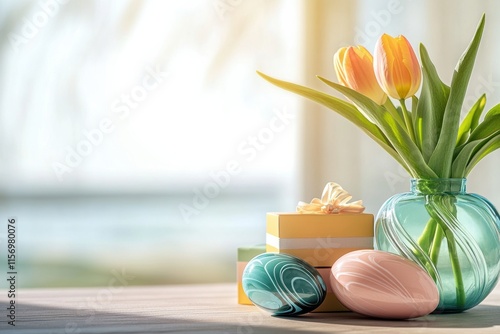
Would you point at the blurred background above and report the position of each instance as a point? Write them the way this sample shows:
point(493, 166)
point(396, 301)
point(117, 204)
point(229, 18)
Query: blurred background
point(136, 138)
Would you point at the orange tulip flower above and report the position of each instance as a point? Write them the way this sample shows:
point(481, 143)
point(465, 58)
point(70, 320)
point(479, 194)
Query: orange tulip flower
point(354, 68)
point(396, 67)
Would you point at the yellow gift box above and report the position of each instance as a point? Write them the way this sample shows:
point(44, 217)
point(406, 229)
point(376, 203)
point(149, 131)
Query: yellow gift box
point(331, 302)
point(245, 254)
point(319, 239)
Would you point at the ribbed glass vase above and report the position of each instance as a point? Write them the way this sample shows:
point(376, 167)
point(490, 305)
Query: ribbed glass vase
point(452, 234)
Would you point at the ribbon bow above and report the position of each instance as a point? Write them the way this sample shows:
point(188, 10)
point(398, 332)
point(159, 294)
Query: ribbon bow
point(333, 200)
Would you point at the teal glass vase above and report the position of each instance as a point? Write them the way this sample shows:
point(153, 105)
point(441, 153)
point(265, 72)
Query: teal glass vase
point(452, 234)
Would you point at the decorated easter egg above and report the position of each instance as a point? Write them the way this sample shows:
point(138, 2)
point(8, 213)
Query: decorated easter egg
point(383, 285)
point(283, 284)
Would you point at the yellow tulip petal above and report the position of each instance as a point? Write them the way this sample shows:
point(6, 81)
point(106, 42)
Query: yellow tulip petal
point(338, 60)
point(396, 67)
point(354, 68)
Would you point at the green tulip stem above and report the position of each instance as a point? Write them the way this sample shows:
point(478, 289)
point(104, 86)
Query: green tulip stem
point(424, 243)
point(436, 244)
point(455, 266)
point(406, 115)
point(426, 238)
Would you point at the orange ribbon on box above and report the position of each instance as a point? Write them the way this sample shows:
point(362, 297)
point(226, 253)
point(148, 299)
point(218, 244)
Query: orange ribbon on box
point(333, 200)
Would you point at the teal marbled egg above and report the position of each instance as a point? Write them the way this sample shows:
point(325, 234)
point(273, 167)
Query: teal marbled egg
point(283, 284)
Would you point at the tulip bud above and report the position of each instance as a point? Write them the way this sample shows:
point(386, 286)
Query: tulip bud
point(396, 67)
point(354, 68)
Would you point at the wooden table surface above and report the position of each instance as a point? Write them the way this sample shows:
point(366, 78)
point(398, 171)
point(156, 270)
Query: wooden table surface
point(206, 309)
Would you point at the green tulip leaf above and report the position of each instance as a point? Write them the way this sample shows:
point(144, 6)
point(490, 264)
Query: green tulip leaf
point(465, 155)
point(492, 112)
point(345, 109)
point(471, 121)
point(417, 123)
point(397, 113)
point(486, 128)
point(441, 158)
point(431, 106)
point(492, 145)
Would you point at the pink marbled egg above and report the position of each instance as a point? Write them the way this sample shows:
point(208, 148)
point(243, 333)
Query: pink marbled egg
point(383, 285)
